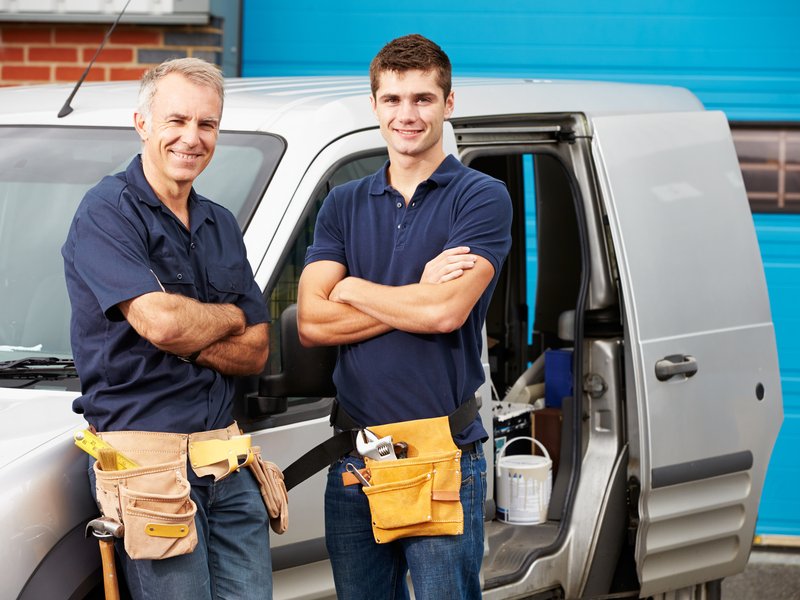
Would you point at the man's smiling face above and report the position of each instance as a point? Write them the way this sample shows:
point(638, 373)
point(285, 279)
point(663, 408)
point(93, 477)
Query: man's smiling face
point(411, 109)
point(180, 133)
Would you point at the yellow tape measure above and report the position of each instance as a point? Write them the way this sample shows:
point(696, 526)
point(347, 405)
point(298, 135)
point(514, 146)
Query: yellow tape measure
point(91, 444)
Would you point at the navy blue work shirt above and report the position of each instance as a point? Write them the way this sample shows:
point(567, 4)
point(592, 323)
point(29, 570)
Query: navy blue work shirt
point(366, 226)
point(124, 242)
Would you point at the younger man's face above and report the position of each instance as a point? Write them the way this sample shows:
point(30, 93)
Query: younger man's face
point(411, 109)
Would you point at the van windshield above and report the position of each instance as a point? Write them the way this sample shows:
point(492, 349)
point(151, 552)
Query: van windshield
point(44, 173)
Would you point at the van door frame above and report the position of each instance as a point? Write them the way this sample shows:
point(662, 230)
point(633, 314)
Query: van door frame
point(581, 535)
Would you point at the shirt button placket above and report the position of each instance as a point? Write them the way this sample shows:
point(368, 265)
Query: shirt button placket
point(400, 226)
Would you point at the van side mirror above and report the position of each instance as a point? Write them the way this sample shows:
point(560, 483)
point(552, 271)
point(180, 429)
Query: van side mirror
point(305, 373)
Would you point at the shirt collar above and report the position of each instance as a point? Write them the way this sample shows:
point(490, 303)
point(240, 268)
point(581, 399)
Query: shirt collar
point(380, 181)
point(134, 175)
point(446, 171)
point(443, 175)
point(198, 211)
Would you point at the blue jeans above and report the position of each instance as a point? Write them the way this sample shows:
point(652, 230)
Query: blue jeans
point(231, 560)
point(441, 567)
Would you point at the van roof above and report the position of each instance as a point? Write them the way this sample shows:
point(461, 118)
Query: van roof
point(332, 106)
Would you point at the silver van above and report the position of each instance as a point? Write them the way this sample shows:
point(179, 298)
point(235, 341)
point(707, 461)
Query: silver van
point(634, 256)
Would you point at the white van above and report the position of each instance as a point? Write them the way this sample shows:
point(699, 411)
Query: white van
point(631, 225)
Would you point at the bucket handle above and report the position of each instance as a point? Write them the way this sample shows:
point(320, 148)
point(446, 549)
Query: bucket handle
point(522, 437)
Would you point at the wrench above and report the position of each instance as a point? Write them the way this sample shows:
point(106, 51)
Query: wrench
point(368, 444)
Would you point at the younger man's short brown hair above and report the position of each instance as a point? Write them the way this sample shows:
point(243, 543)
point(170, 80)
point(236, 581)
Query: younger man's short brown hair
point(412, 52)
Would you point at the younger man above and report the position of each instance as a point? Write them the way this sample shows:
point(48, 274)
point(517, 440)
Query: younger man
point(400, 275)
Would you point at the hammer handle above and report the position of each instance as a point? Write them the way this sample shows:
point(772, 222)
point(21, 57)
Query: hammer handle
point(110, 583)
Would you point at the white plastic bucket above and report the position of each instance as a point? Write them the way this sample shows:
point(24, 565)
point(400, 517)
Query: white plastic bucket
point(523, 485)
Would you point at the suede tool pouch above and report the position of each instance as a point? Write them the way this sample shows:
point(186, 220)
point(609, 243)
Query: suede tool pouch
point(152, 501)
point(418, 495)
point(153, 504)
point(273, 491)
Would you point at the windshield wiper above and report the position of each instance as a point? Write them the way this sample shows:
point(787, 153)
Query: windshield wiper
point(38, 367)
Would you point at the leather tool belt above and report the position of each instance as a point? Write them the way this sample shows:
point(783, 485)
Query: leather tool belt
point(152, 500)
point(343, 442)
point(418, 495)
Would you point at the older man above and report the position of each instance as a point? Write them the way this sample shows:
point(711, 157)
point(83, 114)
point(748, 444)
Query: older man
point(165, 311)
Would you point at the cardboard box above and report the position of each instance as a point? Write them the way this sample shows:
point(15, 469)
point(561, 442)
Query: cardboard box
point(546, 428)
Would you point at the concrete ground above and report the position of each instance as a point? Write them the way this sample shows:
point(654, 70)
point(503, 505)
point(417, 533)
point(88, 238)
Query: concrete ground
point(771, 574)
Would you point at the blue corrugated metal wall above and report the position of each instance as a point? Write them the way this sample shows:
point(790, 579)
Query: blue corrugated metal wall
point(779, 239)
point(735, 55)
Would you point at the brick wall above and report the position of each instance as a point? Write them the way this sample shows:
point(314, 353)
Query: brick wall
point(56, 52)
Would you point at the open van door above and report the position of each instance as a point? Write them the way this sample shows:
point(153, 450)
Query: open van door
point(703, 389)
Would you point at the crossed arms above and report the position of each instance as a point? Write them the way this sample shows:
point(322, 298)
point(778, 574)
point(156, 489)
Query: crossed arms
point(181, 325)
point(334, 309)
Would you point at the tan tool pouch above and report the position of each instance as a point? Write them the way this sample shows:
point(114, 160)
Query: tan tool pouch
point(152, 501)
point(273, 491)
point(418, 495)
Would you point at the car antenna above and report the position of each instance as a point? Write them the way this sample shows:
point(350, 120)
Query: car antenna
point(66, 109)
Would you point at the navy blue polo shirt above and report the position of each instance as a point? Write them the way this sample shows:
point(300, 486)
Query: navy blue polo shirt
point(123, 242)
point(366, 226)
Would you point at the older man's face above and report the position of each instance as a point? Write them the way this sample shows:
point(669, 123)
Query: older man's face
point(180, 134)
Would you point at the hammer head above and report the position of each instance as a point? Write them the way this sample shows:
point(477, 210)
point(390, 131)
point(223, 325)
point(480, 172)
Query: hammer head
point(105, 527)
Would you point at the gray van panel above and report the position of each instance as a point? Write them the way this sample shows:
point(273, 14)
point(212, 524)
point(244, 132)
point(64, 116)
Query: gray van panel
point(693, 290)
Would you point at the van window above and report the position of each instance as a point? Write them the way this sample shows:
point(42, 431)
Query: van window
point(284, 292)
point(44, 174)
point(769, 157)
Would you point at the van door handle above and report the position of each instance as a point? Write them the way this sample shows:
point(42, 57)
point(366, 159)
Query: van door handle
point(675, 364)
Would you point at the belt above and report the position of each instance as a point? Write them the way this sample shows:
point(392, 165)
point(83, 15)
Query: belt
point(343, 443)
point(459, 419)
point(218, 452)
point(465, 448)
